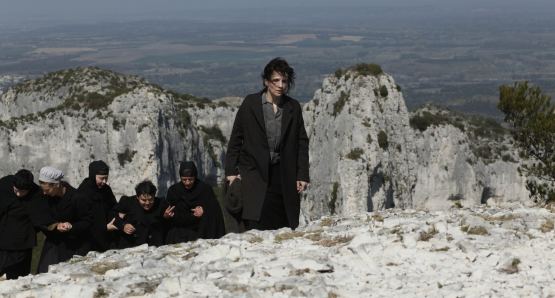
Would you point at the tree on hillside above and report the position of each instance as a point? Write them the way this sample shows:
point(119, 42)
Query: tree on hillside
point(532, 117)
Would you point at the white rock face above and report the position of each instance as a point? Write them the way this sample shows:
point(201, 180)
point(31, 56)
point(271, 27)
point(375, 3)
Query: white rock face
point(388, 253)
point(350, 172)
point(146, 123)
point(446, 176)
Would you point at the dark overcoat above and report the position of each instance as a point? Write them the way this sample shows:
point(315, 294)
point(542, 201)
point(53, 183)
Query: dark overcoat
point(102, 201)
point(20, 232)
point(148, 224)
point(248, 154)
point(184, 226)
point(75, 208)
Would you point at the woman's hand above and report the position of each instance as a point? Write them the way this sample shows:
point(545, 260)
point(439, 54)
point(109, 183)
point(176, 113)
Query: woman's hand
point(169, 212)
point(197, 211)
point(129, 229)
point(110, 226)
point(301, 186)
point(64, 227)
point(232, 178)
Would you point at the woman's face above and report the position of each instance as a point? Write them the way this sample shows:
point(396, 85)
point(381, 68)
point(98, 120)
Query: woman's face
point(188, 182)
point(146, 201)
point(277, 84)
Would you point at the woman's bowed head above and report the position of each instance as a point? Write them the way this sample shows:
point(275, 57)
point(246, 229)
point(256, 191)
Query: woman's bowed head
point(22, 183)
point(50, 181)
point(145, 195)
point(188, 174)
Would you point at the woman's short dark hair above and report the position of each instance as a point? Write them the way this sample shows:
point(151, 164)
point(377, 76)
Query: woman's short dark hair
point(23, 180)
point(280, 66)
point(145, 187)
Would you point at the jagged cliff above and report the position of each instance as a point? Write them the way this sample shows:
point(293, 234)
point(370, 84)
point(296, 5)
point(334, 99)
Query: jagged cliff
point(367, 152)
point(141, 130)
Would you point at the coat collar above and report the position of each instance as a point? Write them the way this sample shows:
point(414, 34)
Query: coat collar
point(286, 116)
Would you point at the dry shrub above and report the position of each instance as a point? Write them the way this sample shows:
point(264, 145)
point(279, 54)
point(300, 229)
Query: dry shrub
point(314, 235)
point(101, 268)
point(425, 236)
point(329, 242)
point(547, 226)
point(499, 218)
point(256, 239)
point(378, 217)
point(478, 231)
point(326, 222)
point(286, 236)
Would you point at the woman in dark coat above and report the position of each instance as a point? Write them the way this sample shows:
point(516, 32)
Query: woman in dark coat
point(102, 200)
point(73, 211)
point(21, 216)
point(268, 151)
point(143, 217)
point(195, 211)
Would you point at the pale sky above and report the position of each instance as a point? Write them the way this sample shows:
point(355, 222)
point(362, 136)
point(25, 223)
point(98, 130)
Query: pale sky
point(21, 10)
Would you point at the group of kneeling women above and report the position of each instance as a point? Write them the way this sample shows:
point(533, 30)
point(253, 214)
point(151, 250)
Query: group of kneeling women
point(267, 151)
point(90, 219)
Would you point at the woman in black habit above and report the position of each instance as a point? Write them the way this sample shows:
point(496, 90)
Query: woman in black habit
point(195, 212)
point(21, 216)
point(73, 212)
point(103, 200)
point(268, 151)
point(143, 217)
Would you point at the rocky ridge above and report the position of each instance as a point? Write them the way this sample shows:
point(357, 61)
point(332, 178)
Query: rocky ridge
point(141, 130)
point(466, 252)
point(368, 152)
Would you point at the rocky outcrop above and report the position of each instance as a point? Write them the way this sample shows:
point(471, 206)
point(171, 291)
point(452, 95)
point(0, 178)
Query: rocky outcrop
point(141, 130)
point(466, 160)
point(350, 170)
point(367, 152)
point(459, 252)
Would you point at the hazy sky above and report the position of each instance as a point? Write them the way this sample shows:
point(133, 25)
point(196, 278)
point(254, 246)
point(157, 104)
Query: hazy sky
point(22, 11)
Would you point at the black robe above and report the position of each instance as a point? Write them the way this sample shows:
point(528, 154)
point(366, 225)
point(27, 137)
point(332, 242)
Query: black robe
point(148, 224)
point(102, 201)
point(20, 220)
point(184, 226)
point(74, 208)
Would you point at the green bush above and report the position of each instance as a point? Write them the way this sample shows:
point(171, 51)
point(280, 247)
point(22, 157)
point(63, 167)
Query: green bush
point(483, 152)
point(383, 91)
point(398, 87)
point(338, 105)
point(126, 156)
point(355, 154)
point(428, 119)
point(382, 140)
point(338, 73)
point(222, 104)
point(185, 116)
point(333, 198)
point(365, 69)
point(213, 133)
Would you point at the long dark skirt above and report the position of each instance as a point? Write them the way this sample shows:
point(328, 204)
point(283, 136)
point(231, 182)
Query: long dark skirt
point(15, 263)
point(273, 214)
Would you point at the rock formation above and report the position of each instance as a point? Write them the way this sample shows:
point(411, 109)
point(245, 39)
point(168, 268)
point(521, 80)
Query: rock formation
point(471, 252)
point(141, 130)
point(367, 151)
